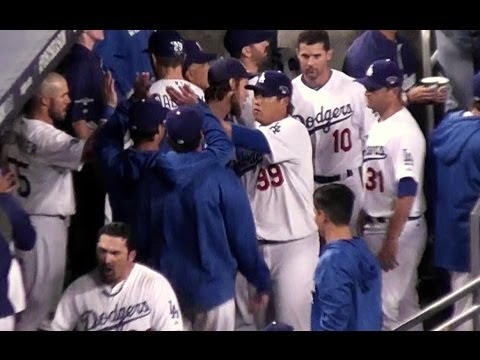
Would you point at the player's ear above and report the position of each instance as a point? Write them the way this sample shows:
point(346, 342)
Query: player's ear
point(329, 54)
point(232, 84)
point(132, 255)
point(44, 101)
point(247, 51)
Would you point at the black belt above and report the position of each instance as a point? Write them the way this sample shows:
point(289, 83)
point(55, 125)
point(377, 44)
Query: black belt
point(56, 216)
point(333, 178)
point(370, 219)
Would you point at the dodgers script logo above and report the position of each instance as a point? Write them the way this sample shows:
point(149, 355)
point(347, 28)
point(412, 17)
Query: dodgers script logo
point(374, 153)
point(326, 118)
point(115, 320)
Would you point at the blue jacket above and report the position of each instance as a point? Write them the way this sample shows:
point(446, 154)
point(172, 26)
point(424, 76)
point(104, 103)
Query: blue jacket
point(372, 45)
point(348, 289)
point(23, 236)
point(456, 164)
point(206, 233)
point(122, 53)
point(127, 173)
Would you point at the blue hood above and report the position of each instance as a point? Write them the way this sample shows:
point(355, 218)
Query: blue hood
point(449, 138)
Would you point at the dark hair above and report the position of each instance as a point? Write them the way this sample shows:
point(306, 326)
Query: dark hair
point(236, 54)
point(173, 61)
point(186, 147)
point(476, 104)
point(312, 37)
point(138, 136)
point(218, 91)
point(336, 200)
point(121, 230)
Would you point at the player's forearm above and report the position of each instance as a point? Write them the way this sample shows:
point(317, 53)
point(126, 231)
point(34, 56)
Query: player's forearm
point(82, 131)
point(217, 141)
point(402, 208)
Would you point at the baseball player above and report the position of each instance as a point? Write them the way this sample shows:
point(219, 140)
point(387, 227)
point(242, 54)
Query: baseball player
point(280, 188)
point(251, 48)
point(167, 51)
point(43, 158)
point(196, 65)
point(332, 107)
point(120, 295)
point(393, 163)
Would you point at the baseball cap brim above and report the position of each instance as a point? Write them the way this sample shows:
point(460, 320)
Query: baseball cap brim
point(261, 89)
point(369, 84)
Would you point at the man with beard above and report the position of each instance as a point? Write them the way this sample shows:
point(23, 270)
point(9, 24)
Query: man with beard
point(120, 295)
point(43, 158)
point(333, 109)
point(251, 48)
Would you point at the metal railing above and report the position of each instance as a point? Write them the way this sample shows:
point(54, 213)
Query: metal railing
point(473, 287)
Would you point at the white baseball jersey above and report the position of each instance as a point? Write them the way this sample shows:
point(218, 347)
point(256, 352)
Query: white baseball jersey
point(160, 87)
point(395, 149)
point(280, 186)
point(144, 301)
point(43, 158)
point(337, 119)
point(247, 118)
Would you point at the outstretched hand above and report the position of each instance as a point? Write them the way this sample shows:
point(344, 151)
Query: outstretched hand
point(183, 95)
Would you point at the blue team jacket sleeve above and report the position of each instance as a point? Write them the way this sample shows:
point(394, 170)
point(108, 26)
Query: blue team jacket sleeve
point(332, 303)
point(219, 146)
point(250, 139)
point(24, 235)
point(241, 234)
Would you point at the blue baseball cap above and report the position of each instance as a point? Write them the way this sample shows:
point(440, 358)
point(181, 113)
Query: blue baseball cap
point(382, 73)
point(476, 87)
point(184, 124)
point(235, 40)
point(195, 54)
point(272, 83)
point(146, 115)
point(166, 43)
point(225, 69)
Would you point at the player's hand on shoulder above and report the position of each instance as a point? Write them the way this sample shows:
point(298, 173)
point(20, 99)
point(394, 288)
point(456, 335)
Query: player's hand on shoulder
point(183, 95)
point(141, 87)
point(256, 302)
point(388, 255)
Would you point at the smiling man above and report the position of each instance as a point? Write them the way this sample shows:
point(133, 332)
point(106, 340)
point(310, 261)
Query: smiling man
point(120, 295)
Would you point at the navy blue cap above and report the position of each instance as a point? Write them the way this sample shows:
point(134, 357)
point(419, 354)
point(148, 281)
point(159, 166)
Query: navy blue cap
point(195, 54)
point(476, 87)
point(184, 124)
point(274, 326)
point(225, 69)
point(146, 115)
point(272, 83)
point(382, 73)
point(235, 40)
point(166, 43)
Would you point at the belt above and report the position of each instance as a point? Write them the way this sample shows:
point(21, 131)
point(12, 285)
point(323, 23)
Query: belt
point(333, 178)
point(56, 216)
point(370, 219)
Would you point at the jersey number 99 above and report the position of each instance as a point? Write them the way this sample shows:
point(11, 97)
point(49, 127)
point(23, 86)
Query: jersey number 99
point(272, 175)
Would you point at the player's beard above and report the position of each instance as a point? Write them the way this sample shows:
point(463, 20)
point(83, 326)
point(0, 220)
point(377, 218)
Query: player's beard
point(57, 115)
point(107, 273)
point(236, 108)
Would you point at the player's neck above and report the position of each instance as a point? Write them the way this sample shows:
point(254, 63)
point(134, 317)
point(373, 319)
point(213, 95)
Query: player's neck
point(86, 41)
point(251, 66)
point(220, 108)
point(390, 34)
point(173, 73)
point(335, 233)
point(390, 111)
point(320, 81)
point(147, 146)
point(41, 116)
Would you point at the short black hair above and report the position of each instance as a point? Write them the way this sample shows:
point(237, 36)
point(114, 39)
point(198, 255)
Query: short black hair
point(173, 61)
point(336, 200)
point(217, 91)
point(121, 230)
point(312, 37)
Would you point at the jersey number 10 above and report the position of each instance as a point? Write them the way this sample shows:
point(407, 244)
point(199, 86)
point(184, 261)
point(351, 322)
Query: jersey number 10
point(272, 175)
point(342, 140)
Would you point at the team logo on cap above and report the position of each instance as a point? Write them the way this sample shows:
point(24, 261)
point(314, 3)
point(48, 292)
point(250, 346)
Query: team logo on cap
point(177, 46)
point(261, 79)
point(392, 80)
point(370, 70)
point(284, 90)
